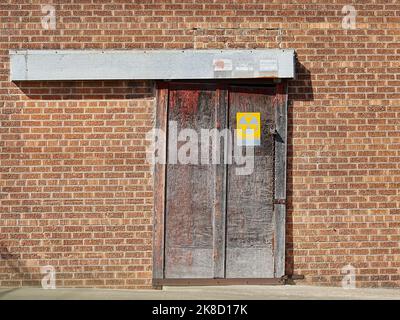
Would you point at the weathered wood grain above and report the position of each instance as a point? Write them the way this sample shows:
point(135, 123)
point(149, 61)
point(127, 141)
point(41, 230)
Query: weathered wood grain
point(250, 226)
point(221, 110)
point(159, 188)
point(190, 192)
point(280, 178)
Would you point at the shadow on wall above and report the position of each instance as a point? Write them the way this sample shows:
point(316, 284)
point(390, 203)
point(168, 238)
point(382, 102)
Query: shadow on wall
point(87, 89)
point(299, 89)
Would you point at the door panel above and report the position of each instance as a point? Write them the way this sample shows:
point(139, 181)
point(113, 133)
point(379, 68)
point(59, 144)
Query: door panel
point(190, 190)
point(249, 251)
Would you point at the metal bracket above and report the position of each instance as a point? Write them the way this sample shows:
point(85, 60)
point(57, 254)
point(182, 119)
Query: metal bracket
point(284, 279)
point(280, 201)
point(290, 278)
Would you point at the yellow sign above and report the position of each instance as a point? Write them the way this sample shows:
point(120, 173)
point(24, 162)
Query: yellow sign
point(248, 128)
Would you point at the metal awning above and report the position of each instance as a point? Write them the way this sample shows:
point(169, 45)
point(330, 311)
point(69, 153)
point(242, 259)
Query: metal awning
point(150, 64)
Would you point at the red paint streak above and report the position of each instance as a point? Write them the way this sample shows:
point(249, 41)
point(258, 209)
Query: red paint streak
point(187, 102)
point(190, 102)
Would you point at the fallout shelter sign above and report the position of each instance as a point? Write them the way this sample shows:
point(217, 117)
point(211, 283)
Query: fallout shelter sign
point(248, 128)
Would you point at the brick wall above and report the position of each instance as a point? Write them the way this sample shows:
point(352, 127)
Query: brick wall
point(76, 192)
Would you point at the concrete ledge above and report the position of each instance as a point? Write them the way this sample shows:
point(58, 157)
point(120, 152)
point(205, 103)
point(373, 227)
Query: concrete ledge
point(201, 293)
point(152, 64)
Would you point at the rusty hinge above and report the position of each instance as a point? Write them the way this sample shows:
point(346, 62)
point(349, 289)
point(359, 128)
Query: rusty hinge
point(280, 201)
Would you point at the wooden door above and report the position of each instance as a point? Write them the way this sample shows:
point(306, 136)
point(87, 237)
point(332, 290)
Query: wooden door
point(250, 225)
point(211, 223)
point(191, 197)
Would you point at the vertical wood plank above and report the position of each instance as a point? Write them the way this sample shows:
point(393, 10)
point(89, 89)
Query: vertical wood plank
point(219, 214)
point(250, 217)
point(159, 186)
point(280, 179)
point(190, 188)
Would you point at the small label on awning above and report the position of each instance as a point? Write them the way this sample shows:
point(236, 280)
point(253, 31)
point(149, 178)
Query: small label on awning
point(222, 65)
point(268, 65)
point(244, 67)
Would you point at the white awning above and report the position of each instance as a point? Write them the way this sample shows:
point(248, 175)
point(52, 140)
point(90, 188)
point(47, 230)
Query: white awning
point(150, 64)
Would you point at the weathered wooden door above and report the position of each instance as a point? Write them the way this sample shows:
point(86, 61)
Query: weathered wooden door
point(211, 222)
point(190, 187)
point(250, 225)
